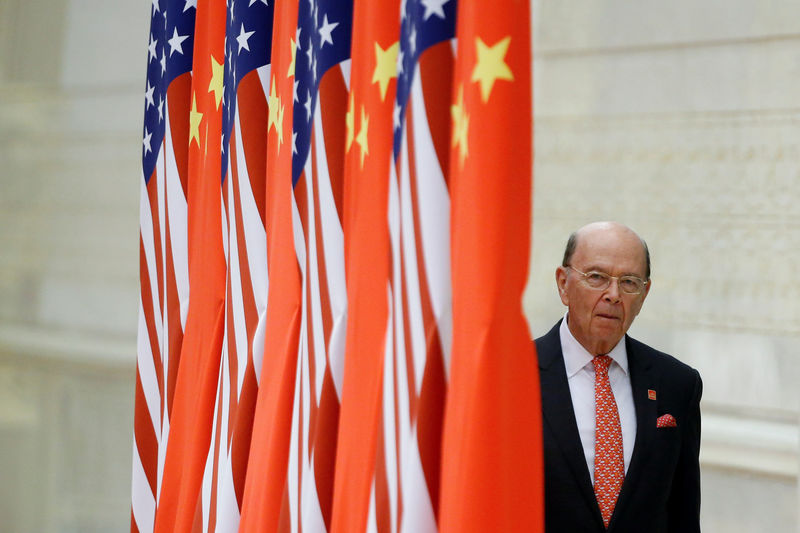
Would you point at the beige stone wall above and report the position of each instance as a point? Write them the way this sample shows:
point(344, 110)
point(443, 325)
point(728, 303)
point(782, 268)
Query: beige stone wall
point(71, 87)
point(679, 118)
point(682, 119)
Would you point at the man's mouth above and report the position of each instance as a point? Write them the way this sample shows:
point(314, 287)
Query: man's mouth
point(606, 316)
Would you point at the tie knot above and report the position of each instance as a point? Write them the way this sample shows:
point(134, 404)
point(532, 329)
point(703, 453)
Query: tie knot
point(601, 363)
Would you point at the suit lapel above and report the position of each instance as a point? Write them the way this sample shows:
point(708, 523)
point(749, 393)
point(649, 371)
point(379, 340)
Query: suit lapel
point(643, 379)
point(559, 414)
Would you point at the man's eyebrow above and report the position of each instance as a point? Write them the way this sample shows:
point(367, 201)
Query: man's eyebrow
point(597, 268)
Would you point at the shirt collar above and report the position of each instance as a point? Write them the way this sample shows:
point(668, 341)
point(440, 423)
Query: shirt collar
point(576, 356)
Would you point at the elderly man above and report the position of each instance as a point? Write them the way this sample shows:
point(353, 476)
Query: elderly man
point(621, 420)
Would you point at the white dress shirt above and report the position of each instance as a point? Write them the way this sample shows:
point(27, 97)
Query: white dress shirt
point(580, 376)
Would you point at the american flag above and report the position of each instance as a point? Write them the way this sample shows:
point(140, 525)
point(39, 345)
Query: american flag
point(164, 296)
point(320, 100)
point(415, 376)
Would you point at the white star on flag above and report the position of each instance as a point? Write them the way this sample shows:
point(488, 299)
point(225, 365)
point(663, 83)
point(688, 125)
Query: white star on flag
point(155, 5)
point(310, 53)
point(176, 42)
point(242, 39)
point(152, 48)
point(163, 61)
point(294, 142)
point(254, 1)
point(307, 105)
point(396, 116)
point(148, 95)
point(146, 141)
point(296, 83)
point(433, 7)
point(326, 30)
point(160, 109)
point(190, 3)
point(412, 39)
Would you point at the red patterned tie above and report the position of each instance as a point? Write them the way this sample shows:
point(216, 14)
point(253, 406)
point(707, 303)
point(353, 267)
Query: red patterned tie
point(609, 464)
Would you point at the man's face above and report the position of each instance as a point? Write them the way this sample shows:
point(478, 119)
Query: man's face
point(599, 318)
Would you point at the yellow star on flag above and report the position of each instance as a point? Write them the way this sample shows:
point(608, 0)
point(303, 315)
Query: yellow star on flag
point(491, 65)
point(349, 120)
point(385, 66)
point(293, 52)
point(217, 77)
point(279, 123)
point(195, 117)
point(460, 126)
point(361, 138)
point(274, 104)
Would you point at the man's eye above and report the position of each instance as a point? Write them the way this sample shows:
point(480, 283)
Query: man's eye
point(596, 277)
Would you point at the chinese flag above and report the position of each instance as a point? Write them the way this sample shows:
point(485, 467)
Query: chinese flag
point(195, 389)
point(492, 473)
point(368, 155)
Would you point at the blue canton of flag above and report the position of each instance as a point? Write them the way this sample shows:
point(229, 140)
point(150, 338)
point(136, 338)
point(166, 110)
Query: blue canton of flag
point(323, 40)
point(423, 24)
point(248, 46)
point(169, 55)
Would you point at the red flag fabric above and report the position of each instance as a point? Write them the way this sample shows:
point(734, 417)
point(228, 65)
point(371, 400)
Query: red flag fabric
point(195, 388)
point(265, 505)
point(368, 152)
point(492, 447)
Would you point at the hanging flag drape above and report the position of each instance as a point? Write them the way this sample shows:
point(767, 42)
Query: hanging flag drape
point(330, 332)
point(164, 270)
point(492, 450)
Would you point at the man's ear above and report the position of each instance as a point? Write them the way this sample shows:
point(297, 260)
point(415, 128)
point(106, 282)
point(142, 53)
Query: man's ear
point(647, 289)
point(561, 284)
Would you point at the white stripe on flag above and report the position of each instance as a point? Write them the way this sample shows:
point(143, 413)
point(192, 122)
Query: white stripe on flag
point(143, 504)
point(434, 220)
point(147, 373)
point(148, 243)
point(178, 225)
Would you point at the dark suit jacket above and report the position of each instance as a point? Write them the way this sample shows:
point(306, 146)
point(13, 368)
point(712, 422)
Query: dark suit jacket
point(661, 491)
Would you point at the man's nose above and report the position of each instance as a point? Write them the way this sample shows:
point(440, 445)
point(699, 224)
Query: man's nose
point(612, 293)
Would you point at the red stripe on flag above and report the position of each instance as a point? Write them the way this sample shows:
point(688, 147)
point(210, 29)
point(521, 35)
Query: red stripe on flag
point(174, 327)
point(179, 103)
point(152, 196)
point(333, 105)
point(145, 438)
point(436, 78)
point(134, 529)
point(252, 109)
point(241, 419)
point(150, 318)
point(325, 445)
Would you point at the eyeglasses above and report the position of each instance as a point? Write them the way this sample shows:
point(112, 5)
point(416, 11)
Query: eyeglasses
point(601, 281)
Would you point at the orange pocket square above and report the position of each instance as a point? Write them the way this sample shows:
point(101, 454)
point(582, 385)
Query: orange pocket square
point(666, 421)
